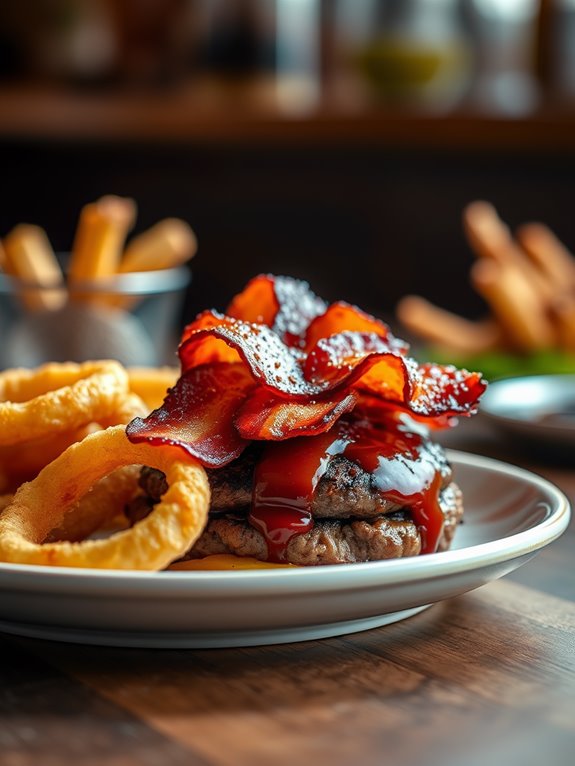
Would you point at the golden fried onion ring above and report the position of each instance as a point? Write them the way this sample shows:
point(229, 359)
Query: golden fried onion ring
point(23, 461)
point(167, 533)
point(57, 397)
point(101, 508)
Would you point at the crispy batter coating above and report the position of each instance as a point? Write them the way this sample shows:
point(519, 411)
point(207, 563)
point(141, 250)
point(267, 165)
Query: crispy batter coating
point(40, 506)
point(58, 397)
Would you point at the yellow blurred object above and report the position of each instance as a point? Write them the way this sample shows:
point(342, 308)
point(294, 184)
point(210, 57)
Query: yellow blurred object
point(151, 383)
point(528, 282)
point(169, 243)
point(224, 561)
point(28, 256)
point(119, 301)
point(100, 237)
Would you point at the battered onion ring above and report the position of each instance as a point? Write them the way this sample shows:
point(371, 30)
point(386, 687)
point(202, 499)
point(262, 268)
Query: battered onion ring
point(57, 397)
point(22, 462)
point(101, 508)
point(166, 534)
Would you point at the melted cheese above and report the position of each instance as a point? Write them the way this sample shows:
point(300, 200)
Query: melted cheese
point(224, 561)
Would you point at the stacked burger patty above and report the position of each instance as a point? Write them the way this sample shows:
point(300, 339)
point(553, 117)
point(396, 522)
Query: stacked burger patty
point(352, 520)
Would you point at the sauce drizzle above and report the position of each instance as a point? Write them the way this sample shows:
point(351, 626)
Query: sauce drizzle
point(392, 448)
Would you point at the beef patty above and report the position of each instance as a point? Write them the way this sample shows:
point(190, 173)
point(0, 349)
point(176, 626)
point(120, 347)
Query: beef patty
point(352, 521)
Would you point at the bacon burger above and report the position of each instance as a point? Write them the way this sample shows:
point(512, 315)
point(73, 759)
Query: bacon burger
point(314, 426)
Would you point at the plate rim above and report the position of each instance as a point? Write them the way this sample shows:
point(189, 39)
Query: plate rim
point(497, 416)
point(375, 573)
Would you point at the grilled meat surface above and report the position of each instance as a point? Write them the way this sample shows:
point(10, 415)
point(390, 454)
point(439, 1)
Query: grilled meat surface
point(345, 490)
point(332, 541)
point(352, 521)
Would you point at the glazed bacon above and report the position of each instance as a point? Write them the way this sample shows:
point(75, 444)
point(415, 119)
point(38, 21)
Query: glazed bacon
point(285, 304)
point(280, 363)
point(198, 414)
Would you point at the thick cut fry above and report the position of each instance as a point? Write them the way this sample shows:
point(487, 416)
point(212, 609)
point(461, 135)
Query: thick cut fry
point(30, 258)
point(167, 244)
point(486, 232)
point(448, 330)
point(153, 543)
point(564, 315)
point(516, 304)
point(549, 255)
point(100, 237)
point(490, 238)
point(57, 398)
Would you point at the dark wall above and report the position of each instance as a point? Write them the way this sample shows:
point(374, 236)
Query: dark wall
point(367, 224)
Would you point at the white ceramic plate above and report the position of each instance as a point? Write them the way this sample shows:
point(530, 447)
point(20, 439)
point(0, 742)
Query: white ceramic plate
point(539, 408)
point(510, 514)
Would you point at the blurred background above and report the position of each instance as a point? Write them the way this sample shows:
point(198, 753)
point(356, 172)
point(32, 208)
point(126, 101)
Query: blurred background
point(333, 140)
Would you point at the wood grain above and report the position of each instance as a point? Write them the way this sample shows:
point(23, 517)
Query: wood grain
point(499, 658)
point(50, 719)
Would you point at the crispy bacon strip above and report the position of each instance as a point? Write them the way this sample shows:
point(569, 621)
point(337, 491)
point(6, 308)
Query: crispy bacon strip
point(270, 361)
point(265, 416)
point(341, 317)
point(292, 373)
point(197, 414)
point(285, 304)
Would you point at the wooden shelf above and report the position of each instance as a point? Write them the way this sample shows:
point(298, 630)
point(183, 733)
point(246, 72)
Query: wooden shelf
point(209, 112)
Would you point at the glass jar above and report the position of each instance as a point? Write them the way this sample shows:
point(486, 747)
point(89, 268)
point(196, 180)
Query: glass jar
point(409, 52)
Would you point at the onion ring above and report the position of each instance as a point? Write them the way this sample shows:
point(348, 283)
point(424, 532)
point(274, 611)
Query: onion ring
point(100, 508)
point(5, 501)
point(57, 397)
point(22, 462)
point(167, 533)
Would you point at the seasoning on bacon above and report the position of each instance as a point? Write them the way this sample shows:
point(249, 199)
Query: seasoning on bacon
point(311, 382)
point(301, 365)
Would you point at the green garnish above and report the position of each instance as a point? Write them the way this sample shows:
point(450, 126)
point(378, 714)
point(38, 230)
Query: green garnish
point(496, 365)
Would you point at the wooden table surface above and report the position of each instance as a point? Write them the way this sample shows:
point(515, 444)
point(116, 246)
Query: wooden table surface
point(485, 678)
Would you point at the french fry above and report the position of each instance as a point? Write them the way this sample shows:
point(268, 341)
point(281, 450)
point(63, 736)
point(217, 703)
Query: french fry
point(549, 254)
point(490, 238)
point(564, 315)
point(2, 258)
point(30, 258)
point(100, 237)
point(528, 283)
point(450, 331)
point(516, 304)
point(169, 243)
point(487, 234)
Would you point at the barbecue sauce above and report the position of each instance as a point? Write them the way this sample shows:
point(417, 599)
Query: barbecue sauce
point(285, 479)
point(391, 449)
